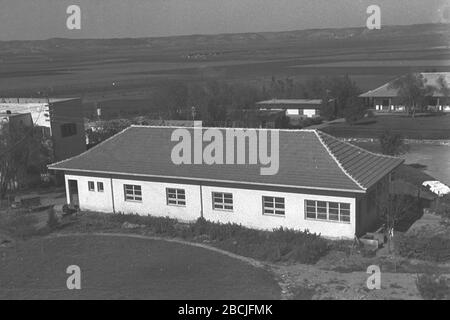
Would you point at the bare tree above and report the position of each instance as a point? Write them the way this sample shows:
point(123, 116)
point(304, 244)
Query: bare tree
point(21, 149)
point(392, 209)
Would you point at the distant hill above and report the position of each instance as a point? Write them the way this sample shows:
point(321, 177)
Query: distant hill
point(439, 33)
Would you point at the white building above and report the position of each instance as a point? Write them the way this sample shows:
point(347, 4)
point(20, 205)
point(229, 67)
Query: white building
point(386, 98)
point(323, 185)
point(59, 118)
point(294, 108)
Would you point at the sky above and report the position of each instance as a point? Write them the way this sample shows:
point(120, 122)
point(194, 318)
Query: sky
point(43, 19)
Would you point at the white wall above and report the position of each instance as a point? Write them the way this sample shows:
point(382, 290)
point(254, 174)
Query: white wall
point(154, 200)
point(37, 111)
point(309, 112)
point(248, 211)
point(92, 200)
point(247, 205)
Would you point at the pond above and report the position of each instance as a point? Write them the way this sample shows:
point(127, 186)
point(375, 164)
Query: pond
point(435, 157)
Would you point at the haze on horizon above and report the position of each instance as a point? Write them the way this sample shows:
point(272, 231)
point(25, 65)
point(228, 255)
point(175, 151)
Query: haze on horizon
point(43, 19)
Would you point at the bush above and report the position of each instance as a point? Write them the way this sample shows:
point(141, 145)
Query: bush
point(442, 206)
point(434, 248)
point(278, 245)
point(158, 225)
point(52, 220)
point(391, 143)
point(303, 293)
point(432, 287)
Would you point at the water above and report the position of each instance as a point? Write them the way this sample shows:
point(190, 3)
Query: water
point(435, 157)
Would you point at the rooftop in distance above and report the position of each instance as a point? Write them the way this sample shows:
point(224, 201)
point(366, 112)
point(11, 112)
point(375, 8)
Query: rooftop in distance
point(430, 78)
point(290, 102)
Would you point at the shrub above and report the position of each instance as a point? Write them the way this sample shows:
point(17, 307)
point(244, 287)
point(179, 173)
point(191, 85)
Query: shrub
point(52, 220)
point(434, 248)
point(278, 245)
point(303, 293)
point(432, 287)
point(391, 143)
point(442, 206)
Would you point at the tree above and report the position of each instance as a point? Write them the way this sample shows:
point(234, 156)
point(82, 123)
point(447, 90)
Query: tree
point(412, 91)
point(392, 209)
point(344, 90)
point(106, 129)
point(354, 110)
point(442, 88)
point(391, 143)
point(23, 150)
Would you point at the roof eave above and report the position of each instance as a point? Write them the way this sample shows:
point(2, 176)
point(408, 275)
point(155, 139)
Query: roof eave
point(205, 179)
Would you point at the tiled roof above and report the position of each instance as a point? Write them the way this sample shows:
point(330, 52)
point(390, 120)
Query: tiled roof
point(365, 167)
point(385, 91)
point(307, 159)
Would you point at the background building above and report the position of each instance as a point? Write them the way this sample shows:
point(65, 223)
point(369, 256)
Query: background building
point(386, 98)
point(61, 119)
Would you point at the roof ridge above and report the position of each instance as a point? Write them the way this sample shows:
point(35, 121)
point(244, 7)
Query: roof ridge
point(89, 150)
point(337, 161)
point(225, 128)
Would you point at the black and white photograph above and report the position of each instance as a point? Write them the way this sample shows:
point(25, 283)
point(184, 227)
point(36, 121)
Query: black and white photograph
point(226, 157)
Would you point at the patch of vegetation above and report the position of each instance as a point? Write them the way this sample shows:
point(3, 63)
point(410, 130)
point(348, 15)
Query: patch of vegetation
point(442, 206)
point(279, 245)
point(435, 248)
point(19, 224)
point(303, 293)
point(432, 287)
point(391, 143)
point(52, 220)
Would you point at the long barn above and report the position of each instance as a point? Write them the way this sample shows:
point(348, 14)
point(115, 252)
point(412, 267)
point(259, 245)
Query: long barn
point(323, 185)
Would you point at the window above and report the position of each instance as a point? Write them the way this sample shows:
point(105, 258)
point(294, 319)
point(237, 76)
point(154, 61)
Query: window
point(68, 129)
point(100, 187)
point(273, 206)
point(331, 211)
point(222, 201)
point(133, 193)
point(176, 197)
point(91, 185)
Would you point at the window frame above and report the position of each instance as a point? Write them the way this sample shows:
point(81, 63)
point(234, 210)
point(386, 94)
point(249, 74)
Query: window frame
point(68, 129)
point(224, 205)
point(341, 208)
point(178, 202)
point(266, 199)
point(102, 189)
point(135, 189)
point(93, 186)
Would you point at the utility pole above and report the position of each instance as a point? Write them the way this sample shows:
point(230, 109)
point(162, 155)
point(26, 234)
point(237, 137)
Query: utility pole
point(193, 113)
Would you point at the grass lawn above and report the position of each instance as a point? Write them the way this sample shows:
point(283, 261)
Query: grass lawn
point(431, 127)
point(127, 268)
